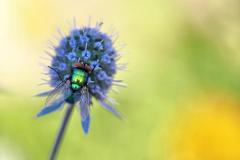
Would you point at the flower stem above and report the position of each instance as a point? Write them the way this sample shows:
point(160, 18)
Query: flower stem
point(61, 132)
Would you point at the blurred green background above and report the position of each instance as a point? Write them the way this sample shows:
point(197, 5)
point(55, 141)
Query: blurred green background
point(182, 100)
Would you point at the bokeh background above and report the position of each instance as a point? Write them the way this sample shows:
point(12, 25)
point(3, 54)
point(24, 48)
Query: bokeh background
point(182, 100)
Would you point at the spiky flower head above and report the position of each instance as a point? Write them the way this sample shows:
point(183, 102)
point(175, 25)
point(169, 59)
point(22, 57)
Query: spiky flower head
point(89, 47)
point(92, 47)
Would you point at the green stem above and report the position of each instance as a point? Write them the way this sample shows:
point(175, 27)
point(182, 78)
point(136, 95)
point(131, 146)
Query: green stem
point(61, 131)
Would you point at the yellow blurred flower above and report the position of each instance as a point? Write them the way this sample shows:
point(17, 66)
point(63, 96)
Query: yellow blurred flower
point(207, 129)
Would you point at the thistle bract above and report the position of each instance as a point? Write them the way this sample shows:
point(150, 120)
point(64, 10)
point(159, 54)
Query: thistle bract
point(82, 68)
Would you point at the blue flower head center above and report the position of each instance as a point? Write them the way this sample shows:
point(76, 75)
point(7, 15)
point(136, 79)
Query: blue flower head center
point(72, 56)
point(84, 39)
point(72, 42)
point(88, 46)
point(86, 54)
point(98, 45)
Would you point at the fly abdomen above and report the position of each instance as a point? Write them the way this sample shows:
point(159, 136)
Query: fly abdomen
point(70, 99)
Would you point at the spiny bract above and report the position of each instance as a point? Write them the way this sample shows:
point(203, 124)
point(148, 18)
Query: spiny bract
point(91, 47)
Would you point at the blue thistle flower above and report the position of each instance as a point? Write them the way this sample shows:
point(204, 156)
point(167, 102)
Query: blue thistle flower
point(83, 40)
point(60, 51)
point(102, 76)
point(94, 64)
point(98, 45)
point(106, 59)
point(64, 42)
point(75, 33)
point(86, 55)
point(83, 68)
point(72, 56)
point(62, 66)
point(73, 42)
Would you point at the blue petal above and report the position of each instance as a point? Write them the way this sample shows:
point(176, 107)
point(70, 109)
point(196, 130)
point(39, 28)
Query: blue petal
point(62, 66)
point(72, 42)
point(86, 55)
point(51, 108)
point(60, 51)
point(102, 76)
point(98, 45)
point(106, 59)
point(84, 109)
point(110, 108)
point(72, 56)
point(86, 124)
point(75, 33)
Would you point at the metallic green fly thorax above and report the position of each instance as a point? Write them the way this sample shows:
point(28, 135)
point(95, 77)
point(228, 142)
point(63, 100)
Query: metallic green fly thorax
point(78, 78)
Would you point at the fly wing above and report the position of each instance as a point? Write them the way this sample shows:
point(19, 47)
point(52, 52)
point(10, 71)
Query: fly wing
point(51, 92)
point(56, 99)
point(62, 91)
point(43, 94)
point(84, 107)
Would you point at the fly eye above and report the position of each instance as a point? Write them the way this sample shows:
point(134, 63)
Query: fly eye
point(87, 68)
